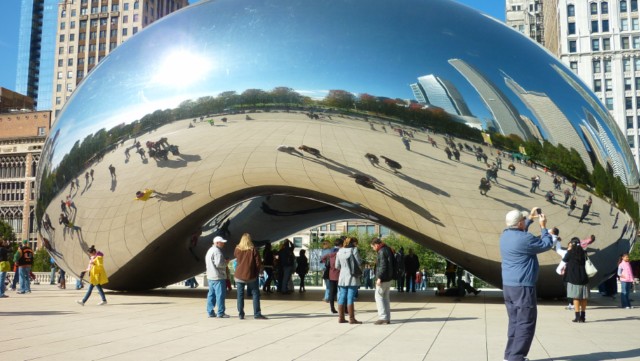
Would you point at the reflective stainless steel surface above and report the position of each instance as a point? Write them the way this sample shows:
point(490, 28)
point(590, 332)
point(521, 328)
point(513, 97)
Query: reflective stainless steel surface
point(219, 86)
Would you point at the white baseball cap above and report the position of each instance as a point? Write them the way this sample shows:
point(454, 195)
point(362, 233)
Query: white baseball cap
point(219, 239)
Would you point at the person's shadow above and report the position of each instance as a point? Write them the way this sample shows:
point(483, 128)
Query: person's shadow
point(114, 183)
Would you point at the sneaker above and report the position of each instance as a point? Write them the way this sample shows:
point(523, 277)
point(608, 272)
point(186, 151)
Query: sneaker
point(260, 317)
point(382, 322)
point(241, 317)
point(628, 308)
point(80, 302)
point(20, 292)
point(102, 303)
point(224, 315)
point(211, 316)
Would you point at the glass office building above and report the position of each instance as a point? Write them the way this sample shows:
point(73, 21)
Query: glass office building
point(36, 50)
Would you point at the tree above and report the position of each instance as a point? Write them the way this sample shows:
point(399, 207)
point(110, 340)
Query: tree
point(340, 99)
point(6, 231)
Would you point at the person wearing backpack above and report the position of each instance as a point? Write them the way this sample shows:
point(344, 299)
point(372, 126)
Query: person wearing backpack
point(348, 263)
point(386, 271)
point(24, 259)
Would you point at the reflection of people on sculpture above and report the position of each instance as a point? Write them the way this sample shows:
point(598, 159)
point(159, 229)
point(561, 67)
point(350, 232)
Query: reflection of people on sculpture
point(373, 159)
point(407, 142)
point(392, 164)
point(485, 186)
point(310, 150)
point(112, 171)
point(46, 223)
point(363, 180)
point(289, 149)
point(146, 194)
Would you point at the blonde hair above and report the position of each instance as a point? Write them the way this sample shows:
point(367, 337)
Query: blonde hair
point(245, 243)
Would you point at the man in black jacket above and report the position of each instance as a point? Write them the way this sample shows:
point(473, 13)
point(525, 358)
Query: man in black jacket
point(384, 276)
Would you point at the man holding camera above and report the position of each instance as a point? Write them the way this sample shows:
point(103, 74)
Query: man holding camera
point(519, 250)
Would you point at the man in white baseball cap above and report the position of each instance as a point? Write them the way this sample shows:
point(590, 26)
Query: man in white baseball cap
point(217, 278)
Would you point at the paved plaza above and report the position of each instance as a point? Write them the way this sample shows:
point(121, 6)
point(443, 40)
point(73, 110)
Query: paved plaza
point(171, 324)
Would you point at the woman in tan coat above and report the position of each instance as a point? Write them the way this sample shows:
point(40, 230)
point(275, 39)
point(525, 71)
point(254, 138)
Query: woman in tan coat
point(97, 276)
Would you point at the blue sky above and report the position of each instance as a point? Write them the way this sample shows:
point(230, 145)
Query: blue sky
point(10, 15)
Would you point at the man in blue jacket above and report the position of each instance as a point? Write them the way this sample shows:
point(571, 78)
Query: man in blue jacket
point(519, 250)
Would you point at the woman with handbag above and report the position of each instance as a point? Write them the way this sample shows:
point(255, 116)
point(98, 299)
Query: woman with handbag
point(576, 277)
point(348, 263)
point(97, 276)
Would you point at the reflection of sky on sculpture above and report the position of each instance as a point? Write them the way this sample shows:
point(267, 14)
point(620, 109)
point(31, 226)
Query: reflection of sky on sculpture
point(369, 47)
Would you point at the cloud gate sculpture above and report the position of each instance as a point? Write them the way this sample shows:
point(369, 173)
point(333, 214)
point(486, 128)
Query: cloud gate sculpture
point(274, 116)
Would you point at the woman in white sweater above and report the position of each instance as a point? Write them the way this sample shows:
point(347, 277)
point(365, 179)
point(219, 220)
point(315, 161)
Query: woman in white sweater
point(348, 262)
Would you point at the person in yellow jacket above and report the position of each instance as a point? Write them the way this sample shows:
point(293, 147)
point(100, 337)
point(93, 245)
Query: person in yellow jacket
point(97, 276)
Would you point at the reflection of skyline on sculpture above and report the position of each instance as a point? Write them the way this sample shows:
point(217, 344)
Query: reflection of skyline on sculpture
point(226, 135)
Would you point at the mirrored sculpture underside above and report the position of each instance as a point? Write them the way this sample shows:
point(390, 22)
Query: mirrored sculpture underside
point(257, 116)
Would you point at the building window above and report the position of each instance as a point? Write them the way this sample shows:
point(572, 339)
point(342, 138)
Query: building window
point(606, 44)
point(627, 83)
point(104, 8)
point(115, 7)
point(83, 24)
point(136, 17)
point(605, 26)
point(126, 6)
point(594, 8)
point(623, 6)
point(135, 30)
point(629, 122)
point(604, 7)
point(83, 11)
point(597, 85)
point(624, 24)
point(571, 28)
point(112, 46)
point(92, 48)
point(70, 62)
point(69, 74)
point(71, 49)
point(103, 21)
point(72, 37)
point(607, 66)
point(73, 13)
point(124, 32)
point(608, 103)
point(94, 10)
point(125, 19)
point(114, 20)
point(80, 61)
point(637, 64)
point(332, 227)
point(596, 66)
point(41, 131)
point(93, 35)
point(628, 103)
point(58, 100)
point(72, 24)
point(626, 65)
point(637, 83)
point(114, 33)
point(62, 25)
point(631, 140)
point(92, 60)
point(595, 44)
point(81, 49)
point(61, 38)
point(58, 88)
point(103, 34)
point(60, 63)
point(102, 46)
point(572, 46)
point(94, 23)
point(80, 74)
point(594, 26)
point(297, 242)
point(636, 42)
point(571, 10)
point(625, 42)
point(61, 50)
point(136, 5)
point(574, 66)
point(635, 25)
point(634, 5)
point(63, 13)
point(608, 85)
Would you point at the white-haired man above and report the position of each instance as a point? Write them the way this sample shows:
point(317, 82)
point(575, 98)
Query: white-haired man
point(519, 250)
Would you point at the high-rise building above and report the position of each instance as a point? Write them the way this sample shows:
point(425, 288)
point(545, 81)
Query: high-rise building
point(88, 30)
point(433, 90)
point(36, 44)
point(537, 19)
point(600, 42)
point(22, 136)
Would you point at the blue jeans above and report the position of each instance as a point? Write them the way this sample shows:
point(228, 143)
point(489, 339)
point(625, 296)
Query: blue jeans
point(90, 289)
point(254, 290)
point(25, 285)
point(3, 277)
point(624, 294)
point(326, 290)
point(347, 294)
point(287, 271)
point(522, 309)
point(52, 281)
point(216, 296)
